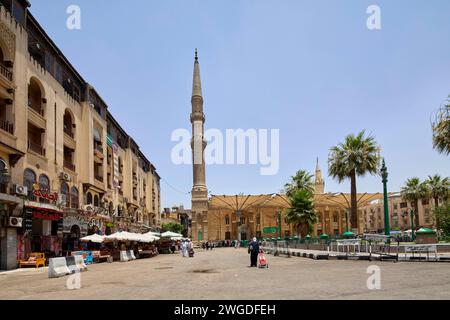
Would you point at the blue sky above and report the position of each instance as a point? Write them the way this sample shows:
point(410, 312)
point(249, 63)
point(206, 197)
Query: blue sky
point(309, 68)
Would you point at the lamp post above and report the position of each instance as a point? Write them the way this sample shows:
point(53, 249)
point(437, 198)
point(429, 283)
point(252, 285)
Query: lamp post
point(413, 235)
point(346, 220)
point(384, 175)
point(279, 224)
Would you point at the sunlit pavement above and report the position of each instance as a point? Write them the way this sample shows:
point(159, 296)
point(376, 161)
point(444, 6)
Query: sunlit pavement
point(224, 274)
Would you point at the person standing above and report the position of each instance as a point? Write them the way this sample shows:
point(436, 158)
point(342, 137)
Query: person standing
point(253, 250)
point(183, 248)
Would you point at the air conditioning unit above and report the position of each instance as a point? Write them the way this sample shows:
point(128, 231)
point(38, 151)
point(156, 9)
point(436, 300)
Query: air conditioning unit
point(88, 207)
point(20, 190)
point(65, 176)
point(15, 222)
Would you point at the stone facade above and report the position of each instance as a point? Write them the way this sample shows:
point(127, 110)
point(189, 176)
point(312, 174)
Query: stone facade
point(81, 171)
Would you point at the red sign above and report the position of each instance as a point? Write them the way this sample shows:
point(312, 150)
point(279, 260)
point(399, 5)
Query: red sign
point(45, 194)
point(53, 216)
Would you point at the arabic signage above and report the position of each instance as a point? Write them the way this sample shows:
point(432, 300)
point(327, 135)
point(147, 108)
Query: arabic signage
point(115, 148)
point(28, 220)
point(71, 221)
point(45, 193)
point(44, 215)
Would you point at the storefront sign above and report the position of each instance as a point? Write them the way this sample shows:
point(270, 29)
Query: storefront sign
point(70, 221)
point(28, 220)
point(270, 230)
point(52, 216)
point(115, 165)
point(45, 194)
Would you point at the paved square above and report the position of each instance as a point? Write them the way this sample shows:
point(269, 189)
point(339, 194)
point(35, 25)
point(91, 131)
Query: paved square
point(223, 274)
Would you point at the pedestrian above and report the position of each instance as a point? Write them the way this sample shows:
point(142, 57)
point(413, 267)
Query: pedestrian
point(183, 248)
point(207, 246)
point(253, 250)
point(172, 247)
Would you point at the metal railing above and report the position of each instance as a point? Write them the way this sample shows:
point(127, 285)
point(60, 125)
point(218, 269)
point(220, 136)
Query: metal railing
point(69, 165)
point(98, 177)
point(36, 148)
point(7, 126)
point(69, 132)
point(6, 73)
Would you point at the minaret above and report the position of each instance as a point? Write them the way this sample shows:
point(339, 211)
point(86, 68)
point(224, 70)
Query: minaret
point(199, 191)
point(319, 182)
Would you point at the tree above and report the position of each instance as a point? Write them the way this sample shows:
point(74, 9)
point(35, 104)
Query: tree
point(301, 214)
point(302, 180)
point(356, 156)
point(172, 226)
point(413, 191)
point(441, 130)
point(439, 188)
point(442, 215)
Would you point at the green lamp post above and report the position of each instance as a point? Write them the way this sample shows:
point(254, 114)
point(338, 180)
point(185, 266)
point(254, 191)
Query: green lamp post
point(279, 224)
point(346, 220)
point(413, 235)
point(384, 175)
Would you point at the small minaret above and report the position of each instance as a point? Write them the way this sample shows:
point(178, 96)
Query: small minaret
point(199, 191)
point(319, 182)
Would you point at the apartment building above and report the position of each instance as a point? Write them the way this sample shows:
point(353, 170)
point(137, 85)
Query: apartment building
point(399, 214)
point(67, 168)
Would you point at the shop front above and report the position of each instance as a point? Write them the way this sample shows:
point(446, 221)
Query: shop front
point(75, 227)
point(42, 231)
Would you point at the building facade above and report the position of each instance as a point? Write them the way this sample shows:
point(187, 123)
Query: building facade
point(399, 213)
point(67, 167)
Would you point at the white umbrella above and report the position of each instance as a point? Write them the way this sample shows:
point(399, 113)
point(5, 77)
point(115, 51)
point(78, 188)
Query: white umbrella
point(170, 234)
point(147, 238)
point(94, 238)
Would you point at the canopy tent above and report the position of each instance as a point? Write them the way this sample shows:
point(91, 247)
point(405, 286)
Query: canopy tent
point(170, 234)
point(128, 236)
point(94, 238)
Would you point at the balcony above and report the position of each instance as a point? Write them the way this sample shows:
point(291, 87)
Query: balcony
point(6, 74)
point(69, 165)
point(36, 148)
point(69, 132)
point(98, 177)
point(7, 126)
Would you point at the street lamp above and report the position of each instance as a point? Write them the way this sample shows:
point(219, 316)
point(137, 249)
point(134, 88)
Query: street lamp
point(384, 175)
point(413, 235)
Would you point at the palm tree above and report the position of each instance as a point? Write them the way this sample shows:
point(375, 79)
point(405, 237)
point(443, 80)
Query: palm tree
point(301, 214)
point(302, 180)
point(414, 190)
point(441, 130)
point(438, 187)
point(356, 156)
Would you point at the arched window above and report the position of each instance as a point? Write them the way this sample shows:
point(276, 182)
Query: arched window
point(227, 220)
point(44, 184)
point(4, 176)
point(68, 124)
point(89, 198)
point(74, 198)
point(258, 218)
point(35, 96)
point(65, 192)
point(29, 179)
point(96, 201)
